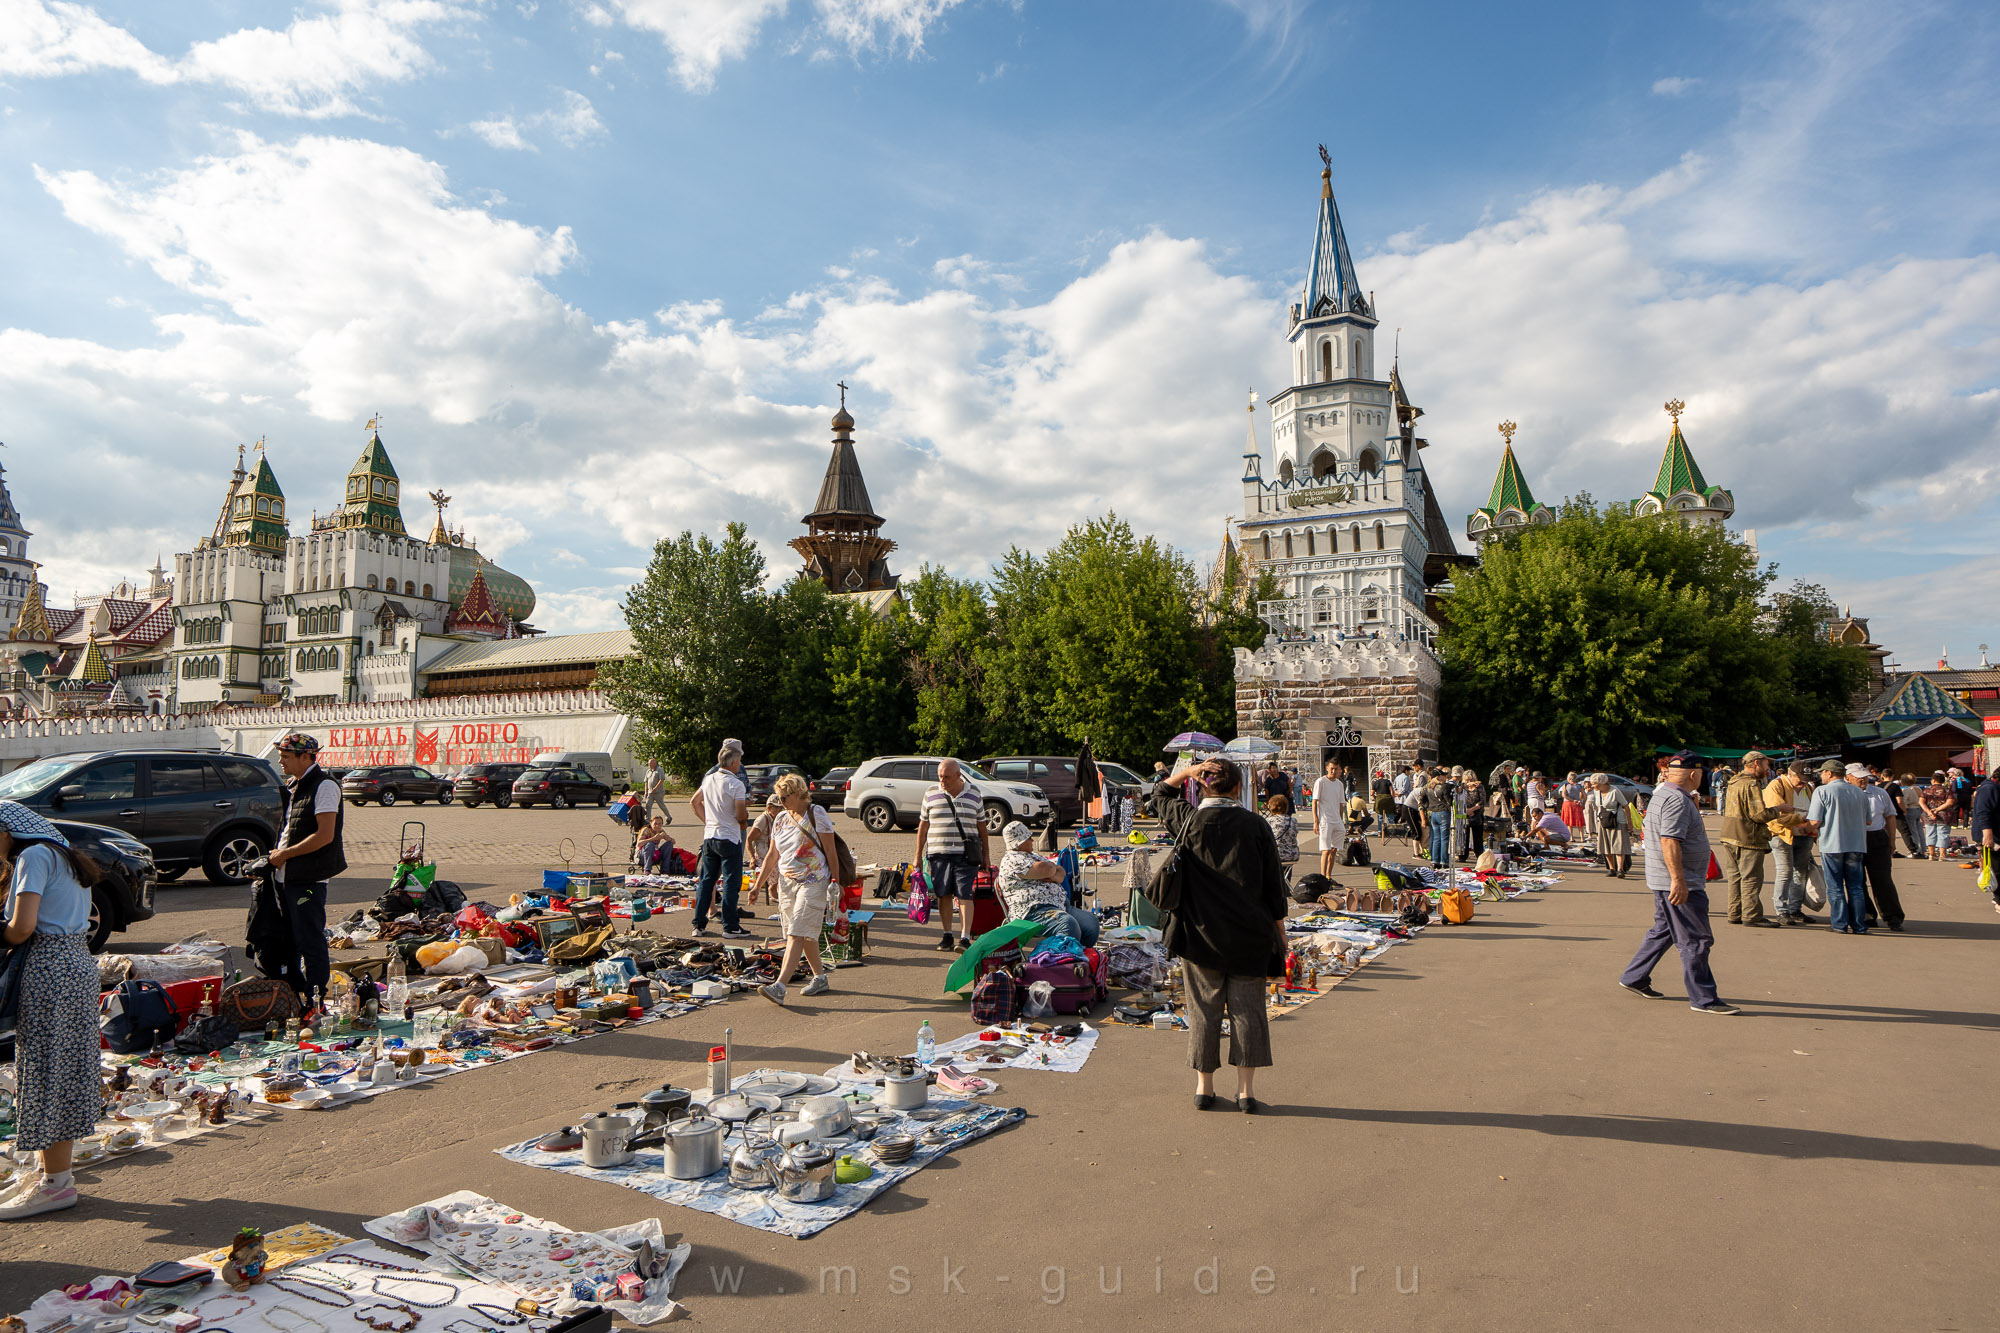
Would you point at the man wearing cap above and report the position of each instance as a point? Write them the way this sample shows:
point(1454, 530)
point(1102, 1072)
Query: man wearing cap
point(308, 854)
point(1746, 838)
point(1878, 860)
point(1791, 842)
point(1841, 811)
point(1676, 870)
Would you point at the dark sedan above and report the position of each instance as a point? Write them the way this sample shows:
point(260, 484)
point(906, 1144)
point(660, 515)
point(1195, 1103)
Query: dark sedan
point(125, 894)
point(831, 790)
point(487, 782)
point(560, 786)
point(390, 783)
point(758, 779)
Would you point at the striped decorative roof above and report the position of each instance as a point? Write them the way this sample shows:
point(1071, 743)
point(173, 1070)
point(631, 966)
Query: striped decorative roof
point(1914, 698)
point(1331, 285)
point(91, 666)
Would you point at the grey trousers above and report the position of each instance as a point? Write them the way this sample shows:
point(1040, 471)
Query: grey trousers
point(1210, 993)
point(1743, 871)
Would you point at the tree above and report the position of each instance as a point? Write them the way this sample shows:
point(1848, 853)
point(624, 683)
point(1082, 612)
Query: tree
point(699, 620)
point(950, 643)
point(1601, 635)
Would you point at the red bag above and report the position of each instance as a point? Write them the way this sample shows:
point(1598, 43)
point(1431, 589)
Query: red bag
point(920, 897)
point(1714, 870)
point(470, 920)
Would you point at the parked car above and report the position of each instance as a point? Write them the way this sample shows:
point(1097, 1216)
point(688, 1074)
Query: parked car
point(1054, 774)
point(888, 792)
point(1123, 778)
point(830, 790)
point(758, 779)
point(125, 894)
point(1635, 793)
point(482, 783)
point(559, 786)
point(386, 784)
point(208, 808)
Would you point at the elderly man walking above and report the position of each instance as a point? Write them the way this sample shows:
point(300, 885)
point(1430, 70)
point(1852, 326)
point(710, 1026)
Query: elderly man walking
point(1676, 867)
point(952, 845)
point(1746, 838)
point(722, 804)
point(1841, 811)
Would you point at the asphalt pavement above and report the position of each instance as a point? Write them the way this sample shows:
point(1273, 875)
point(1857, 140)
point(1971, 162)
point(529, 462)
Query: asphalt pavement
point(1481, 1130)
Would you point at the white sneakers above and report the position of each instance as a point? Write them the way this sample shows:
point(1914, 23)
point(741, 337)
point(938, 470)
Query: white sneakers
point(819, 985)
point(42, 1196)
point(775, 993)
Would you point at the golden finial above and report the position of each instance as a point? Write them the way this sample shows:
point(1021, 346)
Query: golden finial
point(1674, 409)
point(440, 499)
point(259, 446)
point(1507, 429)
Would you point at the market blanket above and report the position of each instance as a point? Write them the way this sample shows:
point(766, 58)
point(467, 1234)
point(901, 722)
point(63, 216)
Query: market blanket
point(761, 1208)
point(470, 1233)
point(1054, 1054)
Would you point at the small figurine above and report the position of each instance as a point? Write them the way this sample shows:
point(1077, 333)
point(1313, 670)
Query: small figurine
point(245, 1264)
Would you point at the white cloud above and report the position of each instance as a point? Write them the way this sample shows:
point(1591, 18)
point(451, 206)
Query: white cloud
point(1855, 404)
point(314, 67)
point(1673, 87)
point(704, 35)
point(571, 122)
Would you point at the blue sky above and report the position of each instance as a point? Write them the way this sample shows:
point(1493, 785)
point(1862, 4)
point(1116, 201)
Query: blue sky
point(598, 264)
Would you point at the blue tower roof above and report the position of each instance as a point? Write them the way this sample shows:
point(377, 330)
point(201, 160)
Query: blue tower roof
point(1331, 285)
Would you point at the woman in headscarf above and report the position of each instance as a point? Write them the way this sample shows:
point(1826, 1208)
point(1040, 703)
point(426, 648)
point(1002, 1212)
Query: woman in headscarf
point(57, 1095)
point(1228, 931)
point(1608, 816)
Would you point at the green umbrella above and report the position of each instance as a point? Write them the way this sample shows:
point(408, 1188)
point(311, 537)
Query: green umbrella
point(1010, 932)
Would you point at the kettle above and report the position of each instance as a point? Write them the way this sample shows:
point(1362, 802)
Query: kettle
point(754, 1165)
point(805, 1174)
point(607, 1140)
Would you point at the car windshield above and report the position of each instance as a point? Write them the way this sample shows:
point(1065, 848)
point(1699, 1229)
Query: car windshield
point(536, 773)
point(1118, 773)
point(974, 772)
point(360, 773)
point(31, 779)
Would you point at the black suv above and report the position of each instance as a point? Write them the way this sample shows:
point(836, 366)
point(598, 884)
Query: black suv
point(560, 785)
point(758, 779)
point(487, 782)
point(831, 790)
point(125, 894)
point(391, 783)
point(210, 808)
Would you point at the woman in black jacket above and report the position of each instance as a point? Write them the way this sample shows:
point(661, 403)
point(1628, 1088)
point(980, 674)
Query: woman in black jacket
point(1228, 930)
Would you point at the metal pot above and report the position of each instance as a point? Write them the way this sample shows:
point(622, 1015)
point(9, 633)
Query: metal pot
point(664, 1105)
point(607, 1140)
point(906, 1092)
point(806, 1174)
point(754, 1163)
point(694, 1147)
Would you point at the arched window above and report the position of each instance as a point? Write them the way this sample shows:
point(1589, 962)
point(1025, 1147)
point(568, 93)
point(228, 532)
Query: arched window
point(1333, 541)
point(1326, 360)
point(409, 588)
point(1288, 546)
point(373, 582)
point(1355, 365)
point(1323, 464)
point(1370, 462)
point(1267, 546)
point(427, 592)
point(1381, 537)
point(1354, 536)
point(1309, 542)
point(1284, 476)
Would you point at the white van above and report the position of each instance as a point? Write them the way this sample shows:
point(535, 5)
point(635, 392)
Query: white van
point(597, 763)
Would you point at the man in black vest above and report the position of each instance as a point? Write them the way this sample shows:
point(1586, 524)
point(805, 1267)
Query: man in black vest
point(308, 854)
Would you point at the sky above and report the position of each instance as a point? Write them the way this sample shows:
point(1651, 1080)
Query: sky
point(598, 265)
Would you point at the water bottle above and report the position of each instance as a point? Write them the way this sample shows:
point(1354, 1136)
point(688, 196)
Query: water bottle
point(926, 1043)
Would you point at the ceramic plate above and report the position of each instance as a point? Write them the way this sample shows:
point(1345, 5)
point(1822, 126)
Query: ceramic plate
point(311, 1096)
point(774, 1084)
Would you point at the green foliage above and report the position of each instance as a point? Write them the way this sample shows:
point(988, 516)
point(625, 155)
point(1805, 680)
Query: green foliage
point(1592, 640)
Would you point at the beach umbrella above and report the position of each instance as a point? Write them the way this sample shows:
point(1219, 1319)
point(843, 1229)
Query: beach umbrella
point(1193, 740)
point(1008, 932)
point(1251, 747)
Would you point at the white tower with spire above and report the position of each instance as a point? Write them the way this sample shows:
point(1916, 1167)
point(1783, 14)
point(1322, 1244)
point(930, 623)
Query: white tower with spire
point(17, 571)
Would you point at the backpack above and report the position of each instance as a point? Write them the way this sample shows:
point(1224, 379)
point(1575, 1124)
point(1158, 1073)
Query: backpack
point(139, 1016)
point(1308, 889)
point(1455, 905)
point(997, 997)
point(1357, 853)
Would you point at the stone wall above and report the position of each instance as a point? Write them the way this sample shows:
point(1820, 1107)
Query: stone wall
point(1386, 690)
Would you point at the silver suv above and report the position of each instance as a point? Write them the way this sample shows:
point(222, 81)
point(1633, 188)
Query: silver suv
point(888, 792)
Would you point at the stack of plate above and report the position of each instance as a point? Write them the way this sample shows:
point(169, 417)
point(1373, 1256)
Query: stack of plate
point(889, 1149)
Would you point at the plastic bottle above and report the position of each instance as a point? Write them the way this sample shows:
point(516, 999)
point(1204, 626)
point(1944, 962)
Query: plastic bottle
point(926, 1043)
point(399, 984)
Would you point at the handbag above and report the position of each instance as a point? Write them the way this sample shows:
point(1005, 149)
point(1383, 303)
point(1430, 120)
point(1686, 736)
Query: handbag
point(920, 897)
point(203, 1035)
point(257, 1002)
point(1167, 886)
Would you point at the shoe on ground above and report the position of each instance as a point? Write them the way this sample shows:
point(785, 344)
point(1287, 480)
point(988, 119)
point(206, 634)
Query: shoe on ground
point(43, 1198)
point(819, 985)
point(1249, 1105)
point(1898, 928)
point(1204, 1101)
point(945, 945)
point(1715, 1007)
point(963, 944)
point(1644, 988)
point(701, 933)
point(736, 933)
point(775, 993)
point(1761, 921)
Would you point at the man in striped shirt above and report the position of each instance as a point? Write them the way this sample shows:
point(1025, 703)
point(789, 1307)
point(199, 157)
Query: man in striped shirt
point(951, 821)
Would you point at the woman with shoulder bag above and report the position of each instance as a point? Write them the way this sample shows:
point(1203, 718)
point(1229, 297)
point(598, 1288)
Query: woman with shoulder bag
point(1227, 925)
point(57, 1097)
point(1608, 816)
point(800, 870)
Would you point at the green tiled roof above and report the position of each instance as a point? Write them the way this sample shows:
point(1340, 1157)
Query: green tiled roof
point(1916, 699)
point(1510, 488)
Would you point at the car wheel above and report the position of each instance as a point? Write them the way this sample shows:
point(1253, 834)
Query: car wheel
point(559, 801)
point(100, 922)
point(168, 874)
point(878, 816)
point(994, 815)
point(604, 798)
point(387, 797)
point(444, 798)
point(228, 858)
point(502, 802)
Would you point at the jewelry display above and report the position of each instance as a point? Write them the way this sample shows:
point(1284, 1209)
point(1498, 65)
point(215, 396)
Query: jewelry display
point(361, 1261)
point(295, 1321)
point(318, 1274)
point(466, 1326)
point(202, 1309)
point(388, 1323)
point(291, 1285)
point(451, 1290)
point(503, 1317)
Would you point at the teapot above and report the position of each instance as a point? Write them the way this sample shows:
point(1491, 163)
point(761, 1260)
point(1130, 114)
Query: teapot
point(805, 1174)
point(754, 1165)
